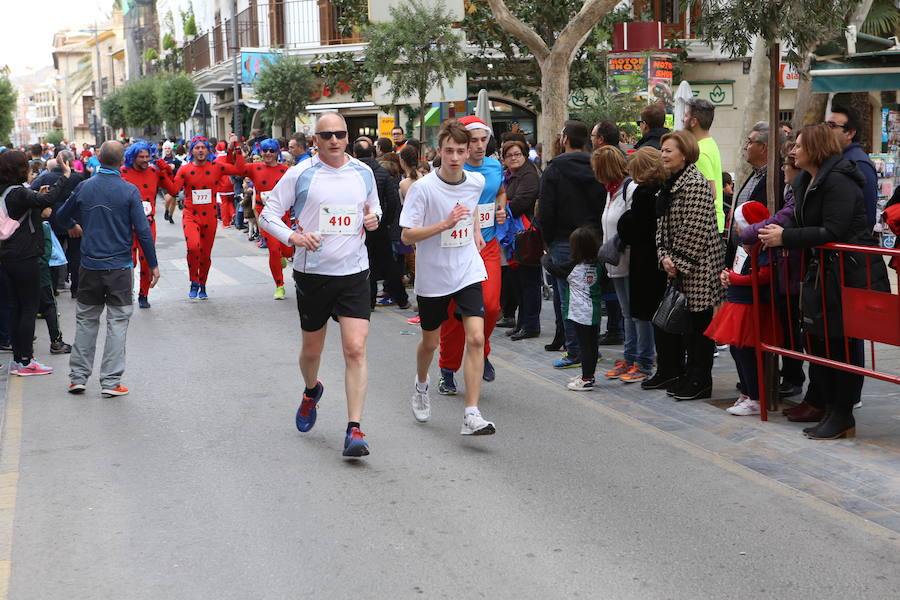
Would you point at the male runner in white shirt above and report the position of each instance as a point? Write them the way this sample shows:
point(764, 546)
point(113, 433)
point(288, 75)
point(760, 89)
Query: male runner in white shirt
point(437, 217)
point(332, 196)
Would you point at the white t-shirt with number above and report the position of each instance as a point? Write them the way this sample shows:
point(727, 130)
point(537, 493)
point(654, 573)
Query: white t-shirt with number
point(449, 261)
point(330, 201)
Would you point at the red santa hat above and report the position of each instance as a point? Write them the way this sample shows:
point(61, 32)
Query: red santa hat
point(472, 122)
point(749, 213)
point(220, 147)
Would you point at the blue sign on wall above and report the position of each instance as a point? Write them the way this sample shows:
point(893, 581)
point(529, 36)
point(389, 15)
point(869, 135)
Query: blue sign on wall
point(254, 62)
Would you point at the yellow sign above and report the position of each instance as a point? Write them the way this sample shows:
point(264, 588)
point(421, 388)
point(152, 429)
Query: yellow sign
point(385, 124)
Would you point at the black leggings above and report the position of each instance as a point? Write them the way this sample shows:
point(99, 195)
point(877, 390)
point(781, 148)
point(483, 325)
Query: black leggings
point(587, 339)
point(745, 361)
point(47, 307)
point(24, 295)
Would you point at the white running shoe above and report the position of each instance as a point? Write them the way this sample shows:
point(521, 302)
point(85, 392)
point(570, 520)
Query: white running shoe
point(581, 385)
point(421, 405)
point(474, 424)
point(741, 399)
point(858, 404)
point(745, 409)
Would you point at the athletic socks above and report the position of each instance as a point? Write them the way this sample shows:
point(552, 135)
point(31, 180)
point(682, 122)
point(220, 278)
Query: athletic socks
point(351, 425)
point(472, 410)
point(422, 387)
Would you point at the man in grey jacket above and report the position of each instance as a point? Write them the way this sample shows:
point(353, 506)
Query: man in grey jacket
point(110, 213)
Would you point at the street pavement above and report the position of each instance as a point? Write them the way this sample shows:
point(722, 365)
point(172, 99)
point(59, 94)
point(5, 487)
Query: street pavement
point(198, 485)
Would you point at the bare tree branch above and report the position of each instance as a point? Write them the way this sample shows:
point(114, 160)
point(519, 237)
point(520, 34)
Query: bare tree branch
point(523, 32)
point(573, 36)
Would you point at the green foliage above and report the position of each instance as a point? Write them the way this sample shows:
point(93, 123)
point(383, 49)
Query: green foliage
point(883, 19)
point(285, 88)
point(114, 109)
point(798, 25)
point(352, 15)
point(189, 22)
point(54, 137)
point(150, 54)
point(416, 52)
point(339, 68)
point(505, 64)
point(168, 42)
point(8, 97)
point(139, 103)
point(175, 96)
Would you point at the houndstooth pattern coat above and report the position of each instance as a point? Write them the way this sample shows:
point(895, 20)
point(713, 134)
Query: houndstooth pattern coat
point(688, 235)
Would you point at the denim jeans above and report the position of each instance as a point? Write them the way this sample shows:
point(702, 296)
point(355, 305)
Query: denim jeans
point(560, 253)
point(639, 344)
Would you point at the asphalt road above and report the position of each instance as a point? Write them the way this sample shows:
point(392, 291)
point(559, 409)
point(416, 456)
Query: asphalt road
point(198, 485)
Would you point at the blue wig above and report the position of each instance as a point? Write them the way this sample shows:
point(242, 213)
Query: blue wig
point(211, 157)
point(135, 149)
point(270, 144)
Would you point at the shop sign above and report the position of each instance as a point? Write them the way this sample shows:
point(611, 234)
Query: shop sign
point(719, 94)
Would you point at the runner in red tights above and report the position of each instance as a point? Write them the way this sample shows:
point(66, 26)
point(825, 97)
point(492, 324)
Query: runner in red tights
point(200, 177)
point(147, 178)
point(264, 176)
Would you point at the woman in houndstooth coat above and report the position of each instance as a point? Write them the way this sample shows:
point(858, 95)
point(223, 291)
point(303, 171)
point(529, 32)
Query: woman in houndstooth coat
point(690, 249)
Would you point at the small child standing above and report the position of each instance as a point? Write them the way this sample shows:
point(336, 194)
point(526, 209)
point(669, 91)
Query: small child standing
point(735, 323)
point(581, 304)
point(47, 300)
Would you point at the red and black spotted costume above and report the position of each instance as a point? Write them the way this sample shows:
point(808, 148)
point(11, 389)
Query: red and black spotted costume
point(148, 182)
point(264, 179)
point(199, 216)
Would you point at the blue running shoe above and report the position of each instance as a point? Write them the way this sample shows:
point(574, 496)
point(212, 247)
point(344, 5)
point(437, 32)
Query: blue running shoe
point(195, 288)
point(143, 302)
point(202, 293)
point(489, 373)
point(306, 414)
point(446, 384)
point(354, 444)
point(566, 362)
point(386, 301)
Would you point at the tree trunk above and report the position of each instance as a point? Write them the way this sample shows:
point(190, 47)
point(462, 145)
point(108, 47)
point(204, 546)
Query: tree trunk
point(757, 107)
point(860, 102)
point(422, 120)
point(554, 102)
point(809, 108)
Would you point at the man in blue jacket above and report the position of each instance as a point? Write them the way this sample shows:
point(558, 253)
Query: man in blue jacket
point(844, 121)
point(110, 213)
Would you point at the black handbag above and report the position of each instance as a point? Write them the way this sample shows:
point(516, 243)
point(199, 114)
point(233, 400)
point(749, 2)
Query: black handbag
point(529, 247)
point(672, 315)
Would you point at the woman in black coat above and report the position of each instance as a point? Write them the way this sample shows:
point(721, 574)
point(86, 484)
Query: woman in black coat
point(19, 254)
point(522, 184)
point(829, 208)
point(647, 282)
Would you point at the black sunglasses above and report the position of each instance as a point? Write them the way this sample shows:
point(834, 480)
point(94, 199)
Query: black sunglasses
point(269, 150)
point(326, 135)
point(834, 125)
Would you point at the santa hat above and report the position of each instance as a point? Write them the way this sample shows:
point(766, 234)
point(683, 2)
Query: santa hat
point(749, 213)
point(472, 122)
point(220, 147)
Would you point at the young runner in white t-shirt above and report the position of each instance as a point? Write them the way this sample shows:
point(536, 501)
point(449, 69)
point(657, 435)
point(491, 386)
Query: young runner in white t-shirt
point(437, 218)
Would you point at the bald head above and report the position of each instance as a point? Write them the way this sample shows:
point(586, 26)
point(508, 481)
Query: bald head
point(111, 154)
point(331, 121)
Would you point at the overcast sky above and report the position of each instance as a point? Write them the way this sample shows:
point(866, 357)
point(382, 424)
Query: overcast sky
point(29, 25)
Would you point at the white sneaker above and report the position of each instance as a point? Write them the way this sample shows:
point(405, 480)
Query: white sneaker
point(741, 399)
point(745, 409)
point(858, 404)
point(421, 405)
point(474, 424)
point(580, 385)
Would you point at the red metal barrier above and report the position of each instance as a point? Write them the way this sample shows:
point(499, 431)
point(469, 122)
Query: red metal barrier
point(867, 314)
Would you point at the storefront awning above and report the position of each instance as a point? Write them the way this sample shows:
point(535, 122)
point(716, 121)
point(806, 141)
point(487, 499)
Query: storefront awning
point(865, 72)
point(433, 117)
point(854, 80)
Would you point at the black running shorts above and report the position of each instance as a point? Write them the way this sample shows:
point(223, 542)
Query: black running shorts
point(322, 296)
point(469, 302)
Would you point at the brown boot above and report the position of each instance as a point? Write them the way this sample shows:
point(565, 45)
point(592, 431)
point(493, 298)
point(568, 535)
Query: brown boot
point(804, 413)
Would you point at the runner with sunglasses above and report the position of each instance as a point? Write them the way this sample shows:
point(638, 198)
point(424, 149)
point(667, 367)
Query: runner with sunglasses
point(265, 176)
point(333, 197)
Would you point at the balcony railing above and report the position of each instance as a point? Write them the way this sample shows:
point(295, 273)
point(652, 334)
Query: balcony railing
point(283, 24)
